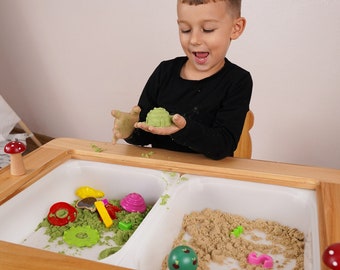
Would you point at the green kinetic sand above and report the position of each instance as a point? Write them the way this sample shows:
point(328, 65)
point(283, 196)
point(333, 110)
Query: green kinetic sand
point(158, 117)
point(88, 230)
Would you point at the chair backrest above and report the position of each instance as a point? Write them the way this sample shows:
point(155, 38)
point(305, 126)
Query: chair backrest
point(244, 146)
point(8, 120)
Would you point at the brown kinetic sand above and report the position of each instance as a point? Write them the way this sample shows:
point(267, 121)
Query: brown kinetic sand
point(210, 236)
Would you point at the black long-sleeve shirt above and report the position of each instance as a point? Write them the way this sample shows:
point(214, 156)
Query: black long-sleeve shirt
point(214, 108)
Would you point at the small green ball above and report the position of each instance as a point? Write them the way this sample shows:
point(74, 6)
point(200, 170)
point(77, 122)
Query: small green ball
point(182, 258)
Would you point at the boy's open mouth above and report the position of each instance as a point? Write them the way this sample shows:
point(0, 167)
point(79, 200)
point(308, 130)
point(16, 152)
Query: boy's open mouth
point(201, 57)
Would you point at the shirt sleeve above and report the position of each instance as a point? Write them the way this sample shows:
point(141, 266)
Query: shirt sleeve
point(147, 101)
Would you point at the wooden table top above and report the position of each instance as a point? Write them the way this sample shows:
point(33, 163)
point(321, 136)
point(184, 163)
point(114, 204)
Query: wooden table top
point(325, 181)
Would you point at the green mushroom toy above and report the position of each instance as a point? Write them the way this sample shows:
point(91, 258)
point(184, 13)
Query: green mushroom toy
point(158, 117)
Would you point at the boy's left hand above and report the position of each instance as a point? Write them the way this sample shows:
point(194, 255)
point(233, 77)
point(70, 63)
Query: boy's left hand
point(178, 122)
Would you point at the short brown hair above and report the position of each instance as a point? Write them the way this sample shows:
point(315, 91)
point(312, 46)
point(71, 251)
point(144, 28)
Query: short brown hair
point(235, 5)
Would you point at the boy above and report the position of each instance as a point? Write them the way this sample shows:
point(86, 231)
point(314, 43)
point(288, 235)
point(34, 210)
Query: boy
point(207, 95)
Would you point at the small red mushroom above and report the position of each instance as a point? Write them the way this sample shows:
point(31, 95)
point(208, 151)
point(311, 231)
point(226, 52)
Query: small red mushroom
point(14, 149)
point(331, 256)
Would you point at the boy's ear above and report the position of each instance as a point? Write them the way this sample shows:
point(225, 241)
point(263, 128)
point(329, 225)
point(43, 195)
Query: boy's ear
point(238, 28)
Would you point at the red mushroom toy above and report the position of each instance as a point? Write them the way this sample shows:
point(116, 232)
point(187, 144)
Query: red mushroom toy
point(331, 256)
point(14, 149)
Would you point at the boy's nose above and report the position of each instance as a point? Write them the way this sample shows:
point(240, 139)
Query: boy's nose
point(196, 37)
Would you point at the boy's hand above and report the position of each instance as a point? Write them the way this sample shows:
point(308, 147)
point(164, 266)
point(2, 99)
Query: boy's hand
point(178, 122)
point(124, 123)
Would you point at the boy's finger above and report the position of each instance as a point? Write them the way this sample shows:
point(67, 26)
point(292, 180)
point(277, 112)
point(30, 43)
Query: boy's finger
point(136, 110)
point(179, 121)
point(115, 113)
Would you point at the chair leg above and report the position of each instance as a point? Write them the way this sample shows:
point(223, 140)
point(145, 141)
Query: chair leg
point(29, 132)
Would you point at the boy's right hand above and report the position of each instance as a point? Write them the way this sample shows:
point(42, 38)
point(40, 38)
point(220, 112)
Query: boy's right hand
point(124, 123)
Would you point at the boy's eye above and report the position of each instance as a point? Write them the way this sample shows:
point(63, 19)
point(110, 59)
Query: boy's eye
point(203, 30)
point(208, 30)
point(184, 31)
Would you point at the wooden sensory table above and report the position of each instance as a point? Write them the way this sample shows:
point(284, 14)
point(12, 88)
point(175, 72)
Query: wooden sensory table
point(325, 181)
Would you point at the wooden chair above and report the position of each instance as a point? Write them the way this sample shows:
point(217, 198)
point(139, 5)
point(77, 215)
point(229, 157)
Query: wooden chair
point(244, 146)
point(9, 119)
point(29, 133)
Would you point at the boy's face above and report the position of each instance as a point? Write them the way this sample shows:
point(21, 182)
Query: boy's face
point(205, 33)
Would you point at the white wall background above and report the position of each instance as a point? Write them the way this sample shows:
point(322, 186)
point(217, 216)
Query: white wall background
point(65, 64)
